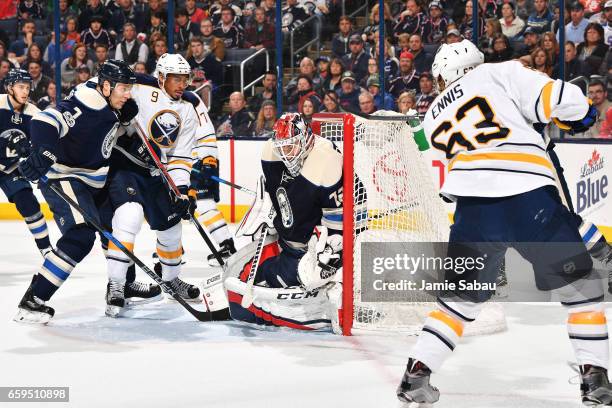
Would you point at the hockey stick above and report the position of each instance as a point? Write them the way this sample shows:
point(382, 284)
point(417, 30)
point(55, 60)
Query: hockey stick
point(207, 316)
point(247, 298)
point(232, 185)
point(177, 193)
point(229, 183)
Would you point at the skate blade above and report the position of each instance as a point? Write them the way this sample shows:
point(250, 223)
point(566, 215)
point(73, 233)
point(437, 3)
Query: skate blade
point(136, 301)
point(194, 300)
point(421, 397)
point(113, 311)
point(28, 317)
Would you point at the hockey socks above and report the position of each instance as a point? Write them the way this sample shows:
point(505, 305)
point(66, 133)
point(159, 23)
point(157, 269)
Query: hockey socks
point(28, 207)
point(211, 219)
point(442, 330)
point(54, 272)
point(127, 221)
point(588, 333)
point(170, 251)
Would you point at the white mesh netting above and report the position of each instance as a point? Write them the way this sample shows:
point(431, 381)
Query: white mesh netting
point(393, 182)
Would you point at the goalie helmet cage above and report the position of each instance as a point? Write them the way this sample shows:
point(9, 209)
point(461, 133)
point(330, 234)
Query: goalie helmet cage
point(389, 179)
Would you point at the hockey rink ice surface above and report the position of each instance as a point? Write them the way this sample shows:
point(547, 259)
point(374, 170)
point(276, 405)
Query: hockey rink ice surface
point(163, 358)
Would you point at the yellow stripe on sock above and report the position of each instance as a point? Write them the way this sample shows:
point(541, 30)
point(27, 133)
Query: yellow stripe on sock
point(448, 320)
point(587, 318)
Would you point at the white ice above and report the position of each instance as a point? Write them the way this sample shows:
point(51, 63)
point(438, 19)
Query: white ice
point(166, 359)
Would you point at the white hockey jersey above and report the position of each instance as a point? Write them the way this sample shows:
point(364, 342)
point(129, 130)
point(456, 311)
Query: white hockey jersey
point(205, 138)
point(481, 126)
point(171, 124)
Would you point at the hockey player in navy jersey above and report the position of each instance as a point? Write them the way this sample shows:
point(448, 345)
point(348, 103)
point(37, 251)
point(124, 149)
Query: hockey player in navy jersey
point(301, 189)
point(71, 147)
point(504, 184)
point(15, 116)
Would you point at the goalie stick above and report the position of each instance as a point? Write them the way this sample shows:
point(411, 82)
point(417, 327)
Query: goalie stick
point(247, 298)
point(202, 316)
point(174, 189)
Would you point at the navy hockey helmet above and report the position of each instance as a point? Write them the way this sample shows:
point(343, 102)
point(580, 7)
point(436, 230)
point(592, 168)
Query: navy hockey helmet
point(17, 75)
point(116, 72)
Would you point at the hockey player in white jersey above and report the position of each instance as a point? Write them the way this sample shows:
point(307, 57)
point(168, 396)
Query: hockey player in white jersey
point(169, 119)
point(503, 183)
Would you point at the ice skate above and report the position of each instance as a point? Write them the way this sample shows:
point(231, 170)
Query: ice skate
point(415, 385)
point(226, 250)
point(32, 309)
point(187, 291)
point(115, 298)
point(138, 293)
point(595, 387)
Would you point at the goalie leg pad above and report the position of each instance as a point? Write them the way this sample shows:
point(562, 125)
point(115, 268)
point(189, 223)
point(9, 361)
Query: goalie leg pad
point(239, 264)
point(292, 308)
point(214, 294)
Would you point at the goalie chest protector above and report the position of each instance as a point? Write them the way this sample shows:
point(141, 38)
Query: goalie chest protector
point(300, 201)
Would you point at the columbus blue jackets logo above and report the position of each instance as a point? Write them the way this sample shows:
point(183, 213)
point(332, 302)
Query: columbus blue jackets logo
point(285, 207)
point(164, 128)
point(109, 141)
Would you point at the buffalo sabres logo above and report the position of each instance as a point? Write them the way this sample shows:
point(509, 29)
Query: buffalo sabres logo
point(165, 127)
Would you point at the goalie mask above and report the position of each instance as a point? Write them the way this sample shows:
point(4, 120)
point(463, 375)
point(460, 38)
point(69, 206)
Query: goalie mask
point(293, 139)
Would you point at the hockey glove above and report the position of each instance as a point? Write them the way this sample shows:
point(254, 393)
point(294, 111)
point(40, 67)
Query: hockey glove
point(141, 151)
point(19, 143)
point(579, 126)
point(201, 177)
point(37, 164)
point(185, 205)
point(128, 112)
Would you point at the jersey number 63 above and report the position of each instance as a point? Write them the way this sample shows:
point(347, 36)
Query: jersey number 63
point(475, 139)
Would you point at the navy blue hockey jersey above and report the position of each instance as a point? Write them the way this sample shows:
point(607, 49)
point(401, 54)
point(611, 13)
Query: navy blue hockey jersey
point(312, 198)
point(9, 119)
point(81, 132)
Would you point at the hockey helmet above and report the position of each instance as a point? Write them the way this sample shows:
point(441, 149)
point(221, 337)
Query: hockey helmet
point(116, 72)
point(17, 75)
point(452, 61)
point(173, 64)
point(292, 139)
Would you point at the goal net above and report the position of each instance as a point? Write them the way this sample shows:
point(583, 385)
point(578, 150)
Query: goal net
point(389, 196)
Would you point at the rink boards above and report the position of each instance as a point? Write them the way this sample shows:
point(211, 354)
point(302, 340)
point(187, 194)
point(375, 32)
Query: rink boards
point(586, 163)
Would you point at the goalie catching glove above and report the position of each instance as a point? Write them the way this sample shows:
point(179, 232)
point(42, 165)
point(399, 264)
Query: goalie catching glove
point(322, 261)
point(261, 213)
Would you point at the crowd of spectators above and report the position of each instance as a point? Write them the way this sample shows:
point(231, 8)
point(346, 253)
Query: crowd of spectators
point(344, 77)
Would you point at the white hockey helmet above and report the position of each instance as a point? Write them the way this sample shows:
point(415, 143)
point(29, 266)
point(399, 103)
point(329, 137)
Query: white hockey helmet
point(293, 140)
point(173, 64)
point(453, 61)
